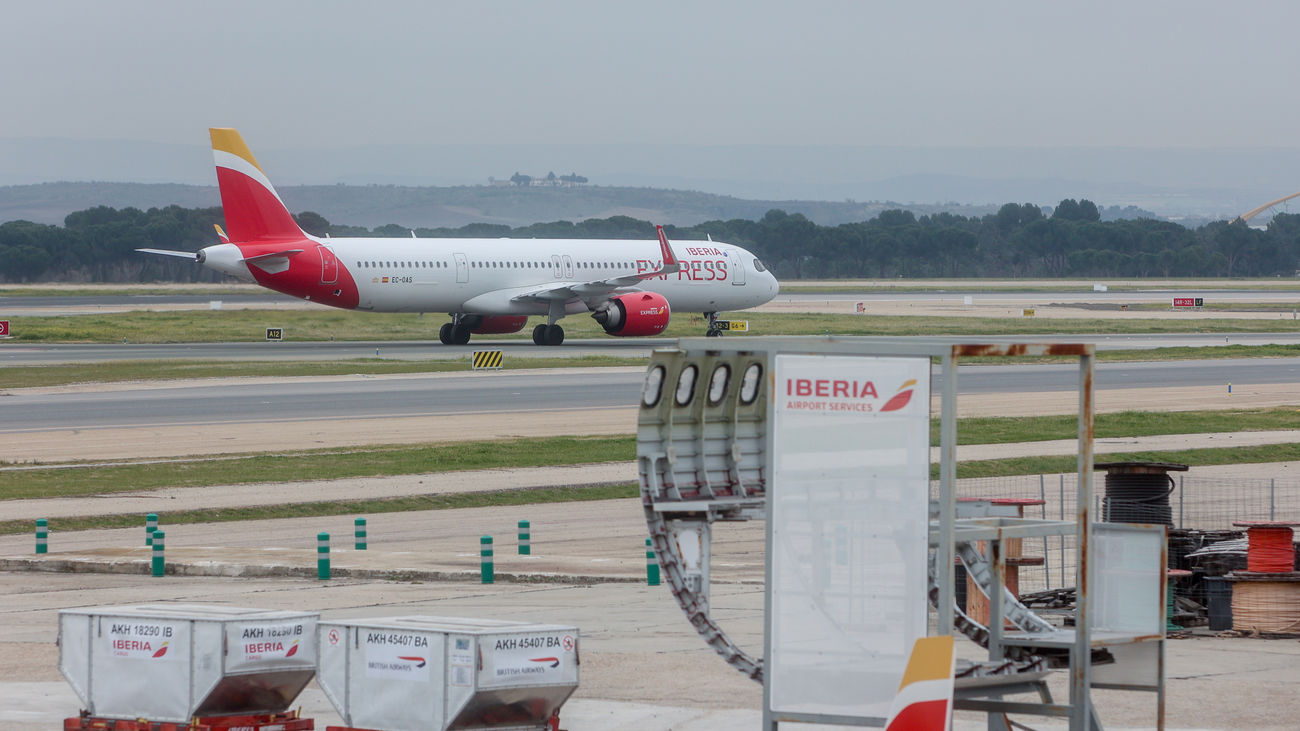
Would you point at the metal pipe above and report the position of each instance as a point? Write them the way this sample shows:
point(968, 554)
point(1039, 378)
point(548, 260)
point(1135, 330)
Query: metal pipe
point(947, 491)
point(1081, 662)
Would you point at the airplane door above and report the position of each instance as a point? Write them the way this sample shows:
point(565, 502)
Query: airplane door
point(555, 266)
point(329, 265)
point(462, 268)
point(737, 263)
point(568, 267)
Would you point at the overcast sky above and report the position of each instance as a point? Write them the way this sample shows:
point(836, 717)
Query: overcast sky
point(945, 73)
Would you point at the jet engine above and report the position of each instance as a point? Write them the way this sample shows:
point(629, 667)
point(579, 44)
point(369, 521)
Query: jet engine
point(494, 324)
point(633, 315)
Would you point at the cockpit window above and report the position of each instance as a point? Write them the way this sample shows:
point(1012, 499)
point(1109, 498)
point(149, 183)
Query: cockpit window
point(758, 266)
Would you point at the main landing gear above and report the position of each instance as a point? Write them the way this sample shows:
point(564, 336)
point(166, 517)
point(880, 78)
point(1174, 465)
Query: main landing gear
point(455, 332)
point(713, 331)
point(551, 333)
point(548, 335)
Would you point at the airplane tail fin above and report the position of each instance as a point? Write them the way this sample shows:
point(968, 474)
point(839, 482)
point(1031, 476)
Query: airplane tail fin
point(254, 211)
point(924, 700)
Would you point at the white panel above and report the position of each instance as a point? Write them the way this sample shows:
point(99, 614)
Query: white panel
point(1136, 664)
point(396, 678)
point(207, 668)
point(848, 505)
point(275, 645)
point(333, 643)
point(140, 668)
point(462, 651)
point(74, 653)
point(1128, 579)
point(526, 659)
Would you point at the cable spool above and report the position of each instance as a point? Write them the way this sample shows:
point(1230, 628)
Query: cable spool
point(1270, 548)
point(1138, 492)
point(1266, 603)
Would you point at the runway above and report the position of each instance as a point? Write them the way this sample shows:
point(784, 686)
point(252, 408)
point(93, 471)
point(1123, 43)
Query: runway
point(20, 354)
point(216, 415)
point(231, 401)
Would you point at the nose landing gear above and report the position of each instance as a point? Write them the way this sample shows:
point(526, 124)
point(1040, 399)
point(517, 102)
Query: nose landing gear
point(713, 331)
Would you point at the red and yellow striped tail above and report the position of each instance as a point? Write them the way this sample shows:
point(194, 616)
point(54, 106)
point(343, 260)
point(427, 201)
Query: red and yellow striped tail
point(254, 211)
point(924, 700)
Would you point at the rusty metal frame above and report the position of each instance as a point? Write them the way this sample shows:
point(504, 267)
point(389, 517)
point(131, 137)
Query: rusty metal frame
point(948, 354)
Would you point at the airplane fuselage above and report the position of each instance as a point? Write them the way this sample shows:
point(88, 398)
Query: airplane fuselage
point(484, 275)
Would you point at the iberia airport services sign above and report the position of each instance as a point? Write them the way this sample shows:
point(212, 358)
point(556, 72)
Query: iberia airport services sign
point(848, 529)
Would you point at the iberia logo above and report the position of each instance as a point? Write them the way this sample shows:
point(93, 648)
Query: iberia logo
point(902, 398)
point(161, 650)
point(552, 661)
point(293, 649)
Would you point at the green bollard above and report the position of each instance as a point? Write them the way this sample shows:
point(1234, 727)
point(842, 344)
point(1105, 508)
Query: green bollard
point(322, 556)
point(651, 565)
point(150, 525)
point(159, 565)
point(359, 533)
point(42, 535)
point(486, 570)
point(525, 539)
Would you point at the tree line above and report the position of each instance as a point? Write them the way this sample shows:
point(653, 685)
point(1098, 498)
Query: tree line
point(1020, 240)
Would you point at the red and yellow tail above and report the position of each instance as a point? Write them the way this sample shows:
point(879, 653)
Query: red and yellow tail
point(253, 210)
point(924, 700)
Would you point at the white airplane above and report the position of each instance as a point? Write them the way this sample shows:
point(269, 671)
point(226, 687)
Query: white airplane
point(486, 285)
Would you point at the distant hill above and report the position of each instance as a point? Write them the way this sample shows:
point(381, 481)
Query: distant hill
point(455, 206)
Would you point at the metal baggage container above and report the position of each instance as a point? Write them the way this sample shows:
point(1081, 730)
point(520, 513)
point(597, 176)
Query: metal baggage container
point(173, 662)
point(422, 673)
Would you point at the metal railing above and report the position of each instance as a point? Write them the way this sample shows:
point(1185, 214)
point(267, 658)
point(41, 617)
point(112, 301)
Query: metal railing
point(1196, 503)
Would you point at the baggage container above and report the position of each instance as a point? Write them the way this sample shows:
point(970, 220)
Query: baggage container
point(174, 662)
point(434, 673)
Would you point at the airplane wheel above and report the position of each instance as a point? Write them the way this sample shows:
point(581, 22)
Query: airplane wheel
point(539, 335)
point(460, 335)
point(444, 333)
point(554, 335)
point(713, 334)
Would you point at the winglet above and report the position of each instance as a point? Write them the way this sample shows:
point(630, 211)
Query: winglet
point(221, 234)
point(665, 249)
point(924, 700)
point(670, 264)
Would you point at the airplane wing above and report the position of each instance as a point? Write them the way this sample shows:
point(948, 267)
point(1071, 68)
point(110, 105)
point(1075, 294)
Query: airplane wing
point(602, 288)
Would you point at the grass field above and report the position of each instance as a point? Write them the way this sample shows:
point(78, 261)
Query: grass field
point(62, 374)
point(71, 480)
point(207, 326)
point(80, 480)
